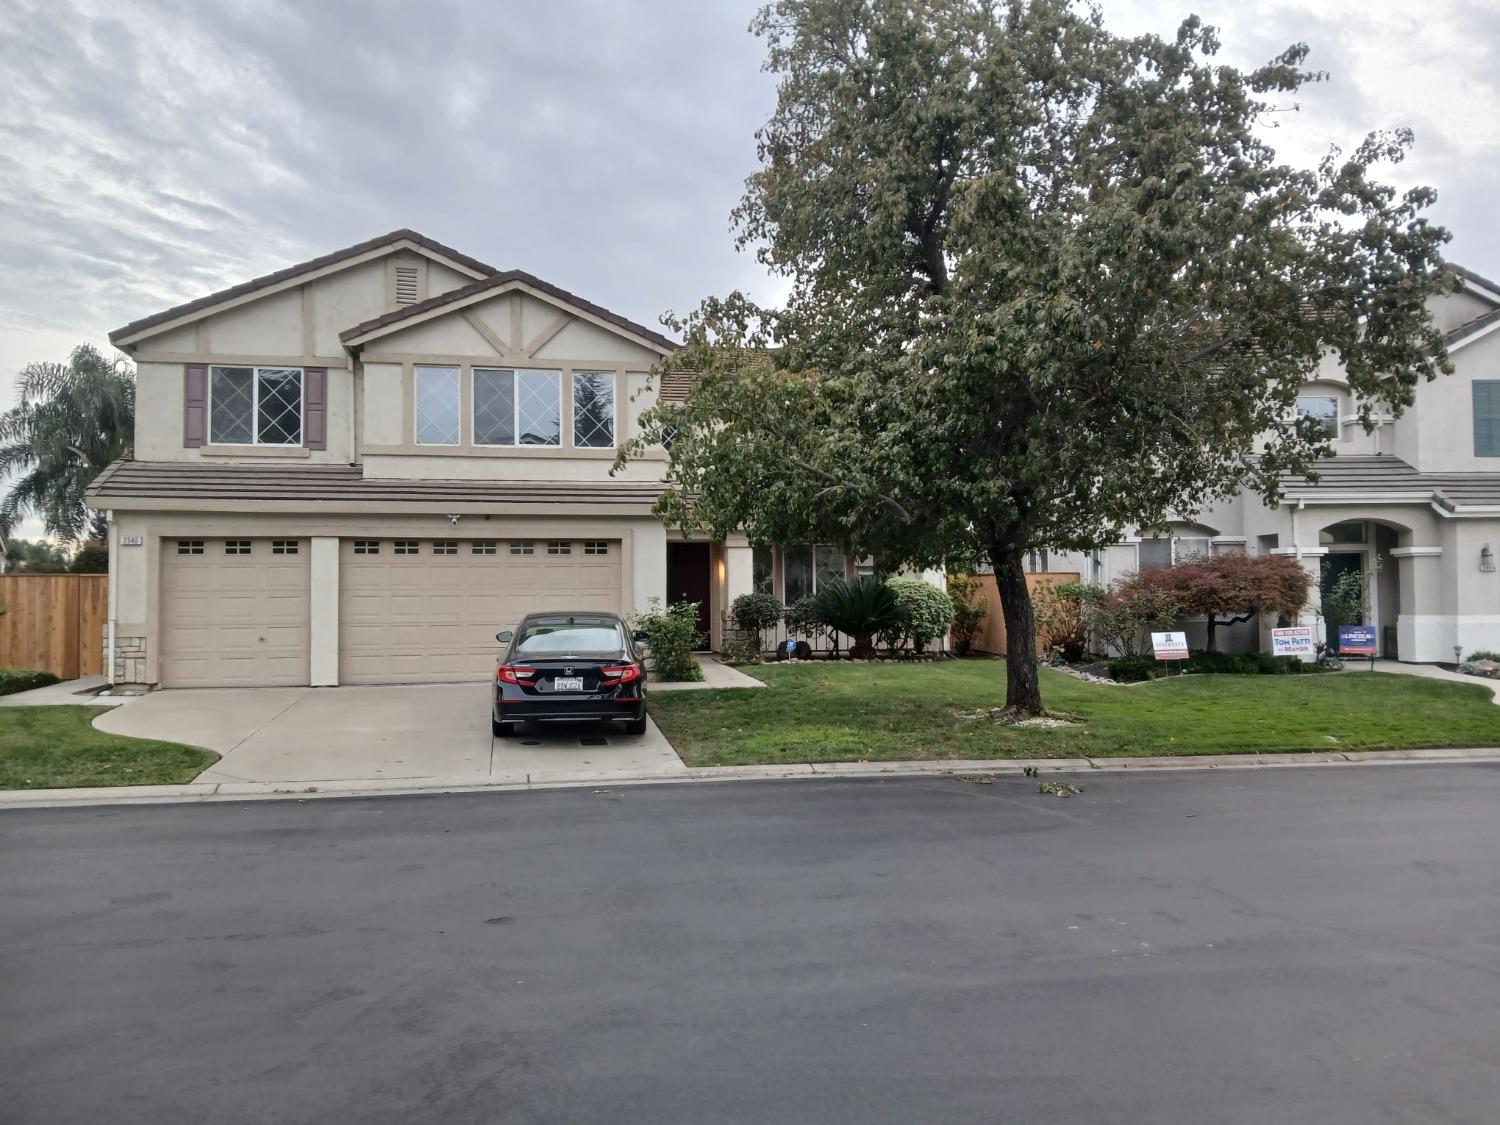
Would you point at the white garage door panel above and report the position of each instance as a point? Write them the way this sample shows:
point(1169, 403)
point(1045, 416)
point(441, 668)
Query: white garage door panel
point(427, 617)
point(234, 620)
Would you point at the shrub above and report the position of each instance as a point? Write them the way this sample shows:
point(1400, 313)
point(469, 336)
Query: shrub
point(1483, 654)
point(860, 608)
point(755, 613)
point(968, 612)
point(13, 680)
point(801, 617)
point(1059, 621)
point(671, 634)
point(741, 650)
point(1230, 589)
point(1132, 669)
point(1120, 617)
point(92, 558)
point(925, 612)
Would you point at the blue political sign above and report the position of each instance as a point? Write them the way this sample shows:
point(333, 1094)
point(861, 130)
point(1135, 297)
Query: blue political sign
point(1357, 640)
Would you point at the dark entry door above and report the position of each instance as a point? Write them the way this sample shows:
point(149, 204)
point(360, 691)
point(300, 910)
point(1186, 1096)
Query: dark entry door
point(687, 581)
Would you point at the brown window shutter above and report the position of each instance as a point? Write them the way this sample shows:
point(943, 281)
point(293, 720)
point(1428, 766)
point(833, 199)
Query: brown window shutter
point(315, 407)
point(194, 404)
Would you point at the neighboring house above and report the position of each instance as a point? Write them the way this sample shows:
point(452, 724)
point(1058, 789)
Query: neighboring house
point(1418, 500)
point(358, 469)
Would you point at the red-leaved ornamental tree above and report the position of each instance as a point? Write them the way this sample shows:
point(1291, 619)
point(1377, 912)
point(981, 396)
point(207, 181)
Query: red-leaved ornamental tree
point(1229, 589)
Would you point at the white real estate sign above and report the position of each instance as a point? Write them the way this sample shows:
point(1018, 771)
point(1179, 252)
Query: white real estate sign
point(1169, 646)
point(1296, 641)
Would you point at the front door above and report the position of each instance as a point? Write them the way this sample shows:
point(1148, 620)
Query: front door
point(687, 581)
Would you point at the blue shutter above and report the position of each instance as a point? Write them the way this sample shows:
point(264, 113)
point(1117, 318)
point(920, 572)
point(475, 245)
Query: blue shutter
point(1486, 417)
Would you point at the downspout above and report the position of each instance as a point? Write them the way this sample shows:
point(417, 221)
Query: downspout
point(114, 597)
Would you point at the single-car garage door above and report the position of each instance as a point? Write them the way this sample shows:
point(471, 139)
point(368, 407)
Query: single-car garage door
point(234, 612)
point(423, 610)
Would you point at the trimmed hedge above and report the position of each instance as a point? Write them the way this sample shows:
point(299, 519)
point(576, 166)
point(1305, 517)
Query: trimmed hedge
point(1133, 669)
point(13, 680)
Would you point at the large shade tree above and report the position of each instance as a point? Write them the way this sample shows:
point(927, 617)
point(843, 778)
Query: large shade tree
point(72, 419)
point(1046, 282)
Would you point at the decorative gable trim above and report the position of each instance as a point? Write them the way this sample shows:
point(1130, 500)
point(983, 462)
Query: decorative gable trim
point(299, 274)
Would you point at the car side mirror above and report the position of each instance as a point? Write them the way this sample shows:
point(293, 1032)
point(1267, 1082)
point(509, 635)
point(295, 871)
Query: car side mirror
point(641, 638)
point(503, 636)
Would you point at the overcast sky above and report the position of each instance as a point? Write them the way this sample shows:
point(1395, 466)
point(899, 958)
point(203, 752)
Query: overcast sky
point(153, 152)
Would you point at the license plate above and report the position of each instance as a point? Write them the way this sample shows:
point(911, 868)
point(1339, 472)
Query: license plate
point(568, 683)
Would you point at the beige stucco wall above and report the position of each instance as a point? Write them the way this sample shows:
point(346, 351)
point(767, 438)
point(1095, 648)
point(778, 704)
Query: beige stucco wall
point(138, 569)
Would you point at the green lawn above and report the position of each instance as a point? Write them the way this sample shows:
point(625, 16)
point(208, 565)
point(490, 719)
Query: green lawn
point(842, 713)
point(56, 748)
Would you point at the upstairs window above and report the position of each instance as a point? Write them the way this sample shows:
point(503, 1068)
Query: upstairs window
point(1322, 409)
point(435, 416)
point(255, 405)
point(1486, 417)
point(517, 407)
point(594, 409)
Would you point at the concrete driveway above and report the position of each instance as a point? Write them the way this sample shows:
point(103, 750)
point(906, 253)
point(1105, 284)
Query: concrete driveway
point(308, 735)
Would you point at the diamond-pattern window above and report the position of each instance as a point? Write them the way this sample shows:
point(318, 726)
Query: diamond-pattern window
point(278, 411)
point(594, 409)
point(494, 406)
point(437, 405)
point(539, 407)
point(255, 406)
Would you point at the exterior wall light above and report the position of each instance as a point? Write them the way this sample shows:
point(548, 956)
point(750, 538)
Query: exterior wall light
point(1486, 559)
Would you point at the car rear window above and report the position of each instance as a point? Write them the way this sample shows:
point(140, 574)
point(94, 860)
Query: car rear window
point(541, 639)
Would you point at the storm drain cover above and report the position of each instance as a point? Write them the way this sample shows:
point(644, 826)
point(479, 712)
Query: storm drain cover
point(593, 742)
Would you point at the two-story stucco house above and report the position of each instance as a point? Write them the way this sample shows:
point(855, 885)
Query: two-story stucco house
point(356, 469)
point(1416, 503)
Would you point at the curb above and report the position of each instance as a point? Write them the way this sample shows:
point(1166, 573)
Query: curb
point(206, 792)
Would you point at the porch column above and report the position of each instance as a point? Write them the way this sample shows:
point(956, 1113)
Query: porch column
point(324, 599)
point(739, 572)
point(1422, 632)
point(1311, 560)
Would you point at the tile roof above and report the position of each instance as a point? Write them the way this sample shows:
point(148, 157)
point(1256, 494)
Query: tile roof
point(300, 268)
point(208, 482)
point(1468, 328)
point(1470, 275)
point(1381, 474)
point(463, 292)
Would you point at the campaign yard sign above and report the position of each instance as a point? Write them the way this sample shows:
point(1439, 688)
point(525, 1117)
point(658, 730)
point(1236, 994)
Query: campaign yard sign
point(1169, 646)
point(1357, 640)
point(1295, 641)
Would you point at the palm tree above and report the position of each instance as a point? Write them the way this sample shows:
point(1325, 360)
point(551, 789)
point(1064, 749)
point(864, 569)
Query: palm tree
point(72, 420)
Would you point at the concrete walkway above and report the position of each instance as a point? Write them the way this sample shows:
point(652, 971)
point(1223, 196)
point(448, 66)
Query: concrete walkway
point(1430, 672)
point(715, 675)
point(69, 693)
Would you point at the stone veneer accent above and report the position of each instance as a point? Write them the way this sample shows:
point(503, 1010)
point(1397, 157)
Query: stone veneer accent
point(130, 661)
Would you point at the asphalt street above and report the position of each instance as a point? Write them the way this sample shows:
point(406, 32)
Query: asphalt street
point(1282, 945)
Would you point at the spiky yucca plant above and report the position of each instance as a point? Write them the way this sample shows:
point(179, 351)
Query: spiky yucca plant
point(859, 607)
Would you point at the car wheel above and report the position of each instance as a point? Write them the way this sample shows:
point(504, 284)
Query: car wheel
point(636, 726)
point(502, 730)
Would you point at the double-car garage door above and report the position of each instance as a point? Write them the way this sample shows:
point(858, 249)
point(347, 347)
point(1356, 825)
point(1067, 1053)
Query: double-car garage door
point(236, 612)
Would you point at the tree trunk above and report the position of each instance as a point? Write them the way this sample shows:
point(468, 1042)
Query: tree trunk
point(1213, 623)
point(1023, 694)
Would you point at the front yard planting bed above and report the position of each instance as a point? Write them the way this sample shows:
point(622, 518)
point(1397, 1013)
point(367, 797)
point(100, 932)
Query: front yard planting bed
point(894, 712)
point(57, 748)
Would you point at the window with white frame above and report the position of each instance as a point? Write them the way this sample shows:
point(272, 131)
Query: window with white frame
point(1188, 546)
point(482, 547)
point(283, 546)
point(806, 570)
point(559, 547)
point(367, 546)
point(1322, 409)
point(596, 546)
point(523, 548)
point(189, 546)
point(517, 407)
point(594, 409)
point(405, 547)
point(236, 546)
point(1038, 562)
point(445, 546)
point(1153, 553)
point(255, 406)
point(763, 570)
point(435, 412)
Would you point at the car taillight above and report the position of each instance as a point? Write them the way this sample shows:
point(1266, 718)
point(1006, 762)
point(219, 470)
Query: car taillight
point(510, 674)
point(623, 674)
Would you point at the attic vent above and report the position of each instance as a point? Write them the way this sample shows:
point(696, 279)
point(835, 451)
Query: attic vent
point(406, 285)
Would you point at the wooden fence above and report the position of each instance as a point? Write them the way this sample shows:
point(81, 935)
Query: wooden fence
point(991, 635)
point(54, 622)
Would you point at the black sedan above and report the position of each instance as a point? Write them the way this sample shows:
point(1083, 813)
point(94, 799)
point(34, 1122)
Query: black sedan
point(569, 667)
